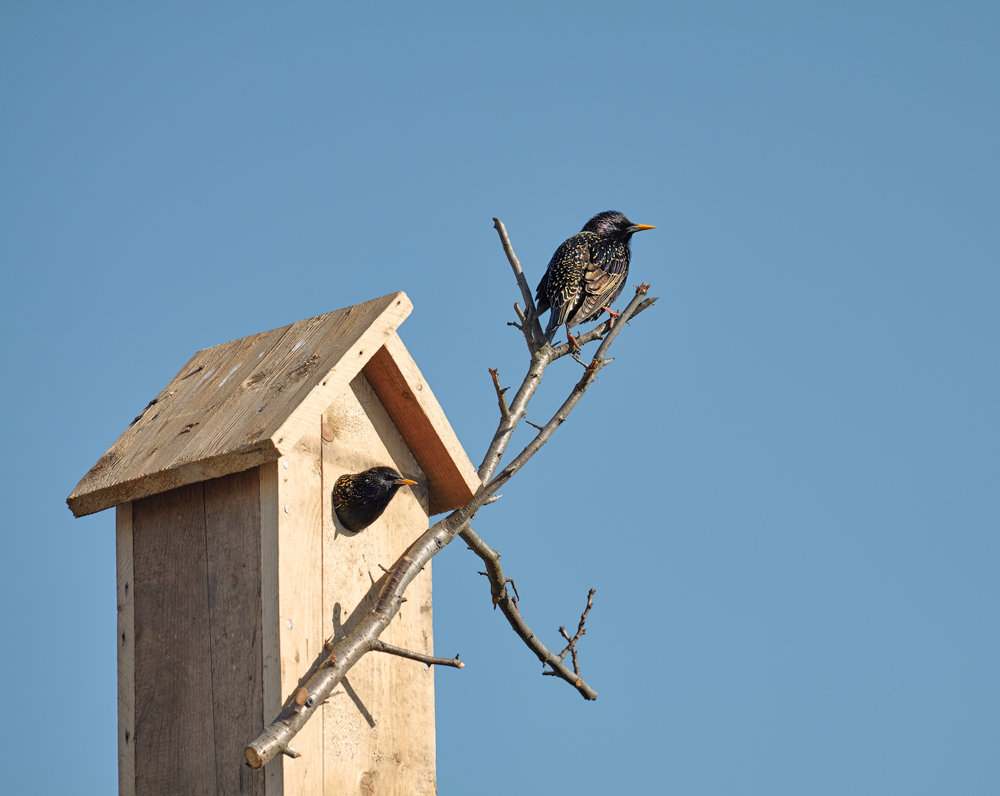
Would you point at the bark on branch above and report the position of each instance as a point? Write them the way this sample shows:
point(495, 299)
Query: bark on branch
point(580, 630)
point(529, 323)
point(380, 646)
point(508, 605)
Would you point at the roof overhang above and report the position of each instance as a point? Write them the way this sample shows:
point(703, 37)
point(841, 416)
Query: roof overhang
point(247, 402)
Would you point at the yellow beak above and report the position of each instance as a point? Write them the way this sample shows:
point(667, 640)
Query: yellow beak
point(641, 227)
point(404, 481)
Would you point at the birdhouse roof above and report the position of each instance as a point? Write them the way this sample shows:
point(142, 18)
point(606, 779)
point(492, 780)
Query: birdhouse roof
point(240, 404)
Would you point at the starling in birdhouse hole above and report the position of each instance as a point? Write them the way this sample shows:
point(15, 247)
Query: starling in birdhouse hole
point(360, 498)
point(587, 273)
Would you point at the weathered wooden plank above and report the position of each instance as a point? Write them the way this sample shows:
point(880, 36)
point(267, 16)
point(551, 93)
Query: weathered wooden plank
point(415, 411)
point(162, 430)
point(126, 649)
point(230, 462)
point(245, 414)
point(378, 733)
point(231, 369)
point(174, 745)
point(301, 626)
point(271, 653)
point(227, 409)
point(232, 518)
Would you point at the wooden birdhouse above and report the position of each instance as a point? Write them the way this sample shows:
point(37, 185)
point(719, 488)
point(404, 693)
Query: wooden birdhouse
point(233, 567)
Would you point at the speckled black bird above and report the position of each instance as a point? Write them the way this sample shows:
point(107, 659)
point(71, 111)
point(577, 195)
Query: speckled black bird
point(360, 498)
point(587, 273)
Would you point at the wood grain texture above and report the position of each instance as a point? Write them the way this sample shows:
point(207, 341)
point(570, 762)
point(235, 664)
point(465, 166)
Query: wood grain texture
point(239, 404)
point(418, 416)
point(379, 728)
point(301, 627)
point(198, 660)
point(274, 775)
point(232, 519)
point(173, 651)
point(126, 649)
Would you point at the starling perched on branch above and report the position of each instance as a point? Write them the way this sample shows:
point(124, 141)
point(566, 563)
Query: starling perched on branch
point(360, 498)
point(587, 273)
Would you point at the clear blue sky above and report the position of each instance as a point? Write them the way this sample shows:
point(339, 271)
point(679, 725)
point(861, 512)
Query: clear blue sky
point(785, 489)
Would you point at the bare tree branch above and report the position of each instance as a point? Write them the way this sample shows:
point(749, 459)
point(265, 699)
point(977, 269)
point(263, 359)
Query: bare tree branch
point(501, 582)
point(580, 630)
point(490, 557)
point(508, 605)
point(596, 364)
point(598, 332)
point(533, 332)
point(380, 646)
point(540, 359)
point(501, 400)
point(340, 656)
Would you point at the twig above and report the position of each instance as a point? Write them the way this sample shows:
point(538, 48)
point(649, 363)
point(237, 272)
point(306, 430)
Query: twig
point(508, 605)
point(502, 584)
point(532, 332)
point(580, 631)
point(540, 359)
point(380, 646)
point(501, 401)
point(599, 331)
point(572, 400)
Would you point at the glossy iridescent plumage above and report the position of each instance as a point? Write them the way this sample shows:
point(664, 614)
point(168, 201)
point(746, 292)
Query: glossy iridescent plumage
point(587, 272)
point(360, 498)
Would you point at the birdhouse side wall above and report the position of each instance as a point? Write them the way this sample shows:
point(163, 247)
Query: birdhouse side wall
point(190, 637)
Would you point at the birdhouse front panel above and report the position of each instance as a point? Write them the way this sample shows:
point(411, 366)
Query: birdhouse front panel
point(378, 731)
